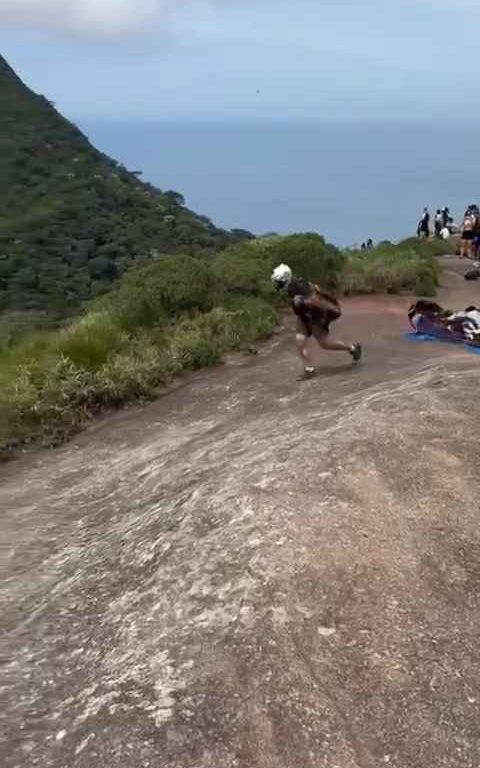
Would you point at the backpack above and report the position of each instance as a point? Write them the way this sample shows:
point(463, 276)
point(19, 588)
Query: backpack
point(326, 302)
point(319, 305)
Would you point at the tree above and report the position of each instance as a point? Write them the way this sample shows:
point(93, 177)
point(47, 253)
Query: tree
point(174, 198)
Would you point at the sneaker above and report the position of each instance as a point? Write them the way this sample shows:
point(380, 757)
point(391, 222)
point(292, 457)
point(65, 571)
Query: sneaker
point(308, 373)
point(356, 352)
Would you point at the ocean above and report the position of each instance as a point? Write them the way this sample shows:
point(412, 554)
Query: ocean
point(347, 181)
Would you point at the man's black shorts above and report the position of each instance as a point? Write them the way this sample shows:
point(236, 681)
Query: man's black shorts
point(318, 325)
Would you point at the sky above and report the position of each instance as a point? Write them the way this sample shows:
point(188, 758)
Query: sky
point(231, 60)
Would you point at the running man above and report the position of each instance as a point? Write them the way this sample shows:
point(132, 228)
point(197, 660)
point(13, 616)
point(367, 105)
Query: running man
point(315, 311)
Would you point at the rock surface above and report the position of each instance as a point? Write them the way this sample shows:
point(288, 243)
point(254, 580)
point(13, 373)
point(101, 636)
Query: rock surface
point(254, 573)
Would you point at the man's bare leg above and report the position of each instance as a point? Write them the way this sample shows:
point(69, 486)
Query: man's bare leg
point(302, 348)
point(334, 346)
point(324, 340)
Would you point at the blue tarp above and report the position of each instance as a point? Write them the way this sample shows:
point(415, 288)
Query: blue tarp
point(452, 340)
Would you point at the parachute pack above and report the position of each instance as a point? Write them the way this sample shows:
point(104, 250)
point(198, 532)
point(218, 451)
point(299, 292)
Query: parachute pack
point(430, 319)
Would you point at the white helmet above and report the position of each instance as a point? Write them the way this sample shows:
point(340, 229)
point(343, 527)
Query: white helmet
point(281, 276)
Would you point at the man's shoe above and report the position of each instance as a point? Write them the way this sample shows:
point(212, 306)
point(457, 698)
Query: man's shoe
point(356, 352)
point(308, 373)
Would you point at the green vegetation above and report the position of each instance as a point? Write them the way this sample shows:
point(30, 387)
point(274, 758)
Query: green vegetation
point(409, 266)
point(243, 267)
point(161, 319)
point(174, 314)
point(71, 219)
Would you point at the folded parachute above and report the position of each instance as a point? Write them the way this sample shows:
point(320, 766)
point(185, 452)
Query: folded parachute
point(429, 318)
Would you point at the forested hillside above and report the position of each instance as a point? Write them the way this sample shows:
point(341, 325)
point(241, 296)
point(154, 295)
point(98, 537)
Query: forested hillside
point(71, 218)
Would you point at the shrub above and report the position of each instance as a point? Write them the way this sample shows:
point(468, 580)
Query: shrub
point(426, 282)
point(195, 346)
point(45, 402)
point(134, 373)
point(239, 271)
point(309, 256)
point(428, 248)
point(161, 291)
point(249, 319)
point(250, 264)
point(90, 341)
point(201, 341)
point(388, 270)
point(48, 389)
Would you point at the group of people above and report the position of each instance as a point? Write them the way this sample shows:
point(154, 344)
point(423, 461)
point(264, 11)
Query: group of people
point(442, 224)
point(444, 227)
point(368, 246)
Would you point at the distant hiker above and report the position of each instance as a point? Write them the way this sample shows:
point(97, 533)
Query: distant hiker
point(364, 246)
point(423, 229)
point(476, 232)
point(369, 244)
point(315, 311)
point(438, 223)
point(473, 208)
point(446, 218)
point(469, 225)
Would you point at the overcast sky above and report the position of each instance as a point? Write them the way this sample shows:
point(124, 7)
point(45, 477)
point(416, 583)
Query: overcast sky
point(244, 59)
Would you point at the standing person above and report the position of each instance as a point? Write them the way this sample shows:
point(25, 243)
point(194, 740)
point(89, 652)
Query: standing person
point(315, 311)
point(424, 224)
point(438, 223)
point(468, 234)
point(476, 232)
point(447, 219)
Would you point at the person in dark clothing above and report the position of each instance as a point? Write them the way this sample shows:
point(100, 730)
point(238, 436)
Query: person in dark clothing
point(468, 233)
point(315, 311)
point(476, 238)
point(423, 229)
point(446, 218)
point(474, 212)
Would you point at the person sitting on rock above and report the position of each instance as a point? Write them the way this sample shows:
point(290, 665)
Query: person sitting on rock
point(315, 311)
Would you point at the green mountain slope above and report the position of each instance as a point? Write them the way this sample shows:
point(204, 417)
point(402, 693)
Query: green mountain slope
point(72, 219)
